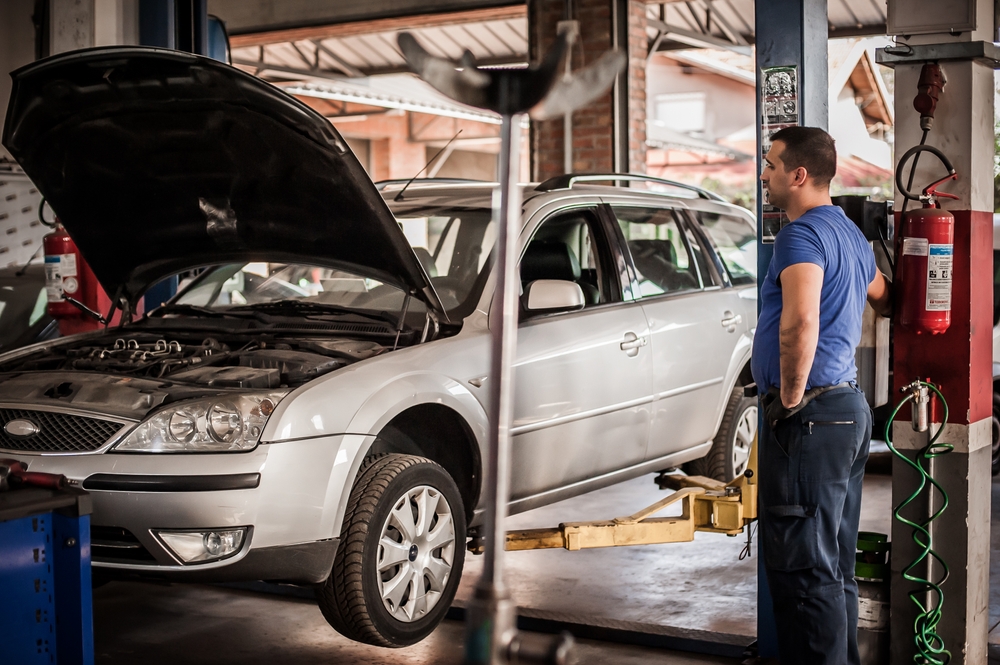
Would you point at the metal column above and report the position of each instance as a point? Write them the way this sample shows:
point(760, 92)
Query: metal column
point(790, 33)
point(957, 35)
point(173, 24)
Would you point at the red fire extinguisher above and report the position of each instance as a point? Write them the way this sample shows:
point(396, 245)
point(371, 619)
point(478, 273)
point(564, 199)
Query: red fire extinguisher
point(67, 275)
point(926, 252)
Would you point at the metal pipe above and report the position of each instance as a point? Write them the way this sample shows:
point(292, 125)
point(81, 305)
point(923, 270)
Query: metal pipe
point(503, 328)
point(619, 93)
point(491, 619)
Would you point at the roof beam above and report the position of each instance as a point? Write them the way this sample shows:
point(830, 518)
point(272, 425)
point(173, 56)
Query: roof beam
point(263, 67)
point(345, 66)
point(696, 39)
point(378, 25)
point(723, 24)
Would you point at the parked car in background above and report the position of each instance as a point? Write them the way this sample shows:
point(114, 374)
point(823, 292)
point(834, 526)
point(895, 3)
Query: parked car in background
point(24, 317)
point(311, 407)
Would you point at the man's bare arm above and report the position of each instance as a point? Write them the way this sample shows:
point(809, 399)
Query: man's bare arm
point(880, 295)
point(801, 286)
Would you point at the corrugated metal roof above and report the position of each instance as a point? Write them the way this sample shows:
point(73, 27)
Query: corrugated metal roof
point(730, 23)
point(501, 41)
point(393, 91)
point(347, 62)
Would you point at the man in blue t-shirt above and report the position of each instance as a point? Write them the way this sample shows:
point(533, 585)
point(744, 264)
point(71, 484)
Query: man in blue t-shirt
point(814, 440)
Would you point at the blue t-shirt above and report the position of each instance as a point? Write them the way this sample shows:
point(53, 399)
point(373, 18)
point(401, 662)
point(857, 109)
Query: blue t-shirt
point(826, 237)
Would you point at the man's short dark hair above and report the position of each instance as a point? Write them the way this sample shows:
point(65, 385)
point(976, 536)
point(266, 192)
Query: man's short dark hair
point(811, 148)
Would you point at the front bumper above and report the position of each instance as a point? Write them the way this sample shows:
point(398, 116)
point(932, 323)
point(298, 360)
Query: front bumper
point(305, 563)
point(287, 495)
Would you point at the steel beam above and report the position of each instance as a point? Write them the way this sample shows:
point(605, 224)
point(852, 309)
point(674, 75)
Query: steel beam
point(788, 33)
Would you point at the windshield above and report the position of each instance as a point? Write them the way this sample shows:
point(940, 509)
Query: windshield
point(23, 303)
point(453, 246)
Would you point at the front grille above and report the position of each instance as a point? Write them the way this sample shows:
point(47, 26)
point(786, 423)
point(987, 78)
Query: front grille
point(58, 432)
point(113, 544)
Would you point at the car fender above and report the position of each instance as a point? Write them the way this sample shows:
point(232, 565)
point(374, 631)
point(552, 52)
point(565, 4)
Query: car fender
point(393, 399)
point(368, 395)
point(741, 357)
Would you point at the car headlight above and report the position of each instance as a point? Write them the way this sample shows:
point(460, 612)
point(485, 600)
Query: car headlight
point(219, 424)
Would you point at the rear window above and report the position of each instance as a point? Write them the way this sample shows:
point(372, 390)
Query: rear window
point(736, 240)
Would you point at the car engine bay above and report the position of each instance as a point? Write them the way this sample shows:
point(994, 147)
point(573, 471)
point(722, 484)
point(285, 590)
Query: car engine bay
point(234, 363)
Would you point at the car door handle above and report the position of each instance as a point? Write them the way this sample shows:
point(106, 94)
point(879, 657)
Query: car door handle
point(730, 320)
point(632, 343)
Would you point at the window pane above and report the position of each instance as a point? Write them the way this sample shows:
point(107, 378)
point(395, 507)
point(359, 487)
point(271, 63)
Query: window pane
point(565, 248)
point(682, 112)
point(660, 255)
point(736, 240)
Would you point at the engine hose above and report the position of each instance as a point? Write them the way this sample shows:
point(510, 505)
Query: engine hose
point(930, 648)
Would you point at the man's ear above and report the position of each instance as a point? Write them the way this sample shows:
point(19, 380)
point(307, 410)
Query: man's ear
point(800, 176)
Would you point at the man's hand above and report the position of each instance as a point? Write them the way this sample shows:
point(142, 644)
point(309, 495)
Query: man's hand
point(880, 295)
point(801, 287)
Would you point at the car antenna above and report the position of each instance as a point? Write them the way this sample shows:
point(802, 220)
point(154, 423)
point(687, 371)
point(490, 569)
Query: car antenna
point(399, 196)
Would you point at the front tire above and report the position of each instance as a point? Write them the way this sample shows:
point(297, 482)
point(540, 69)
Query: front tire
point(730, 452)
point(402, 549)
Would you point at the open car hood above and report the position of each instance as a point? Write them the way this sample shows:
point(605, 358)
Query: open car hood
point(158, 161)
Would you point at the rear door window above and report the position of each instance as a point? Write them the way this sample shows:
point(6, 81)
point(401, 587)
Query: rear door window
point(660, 252)
point(736, 240)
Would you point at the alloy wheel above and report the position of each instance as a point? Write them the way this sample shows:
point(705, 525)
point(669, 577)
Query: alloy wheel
point(416, 553)
point(746, 429)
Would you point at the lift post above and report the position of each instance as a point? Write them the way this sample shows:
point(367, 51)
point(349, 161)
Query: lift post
point(707, 505)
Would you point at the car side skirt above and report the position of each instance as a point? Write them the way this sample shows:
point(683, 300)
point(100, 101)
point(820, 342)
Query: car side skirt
point(591, 484)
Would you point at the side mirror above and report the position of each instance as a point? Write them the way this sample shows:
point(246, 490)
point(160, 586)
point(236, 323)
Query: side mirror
point(553, 295)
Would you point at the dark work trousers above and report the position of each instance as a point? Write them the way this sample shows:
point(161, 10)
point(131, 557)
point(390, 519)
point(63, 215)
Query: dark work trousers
point(811, 468)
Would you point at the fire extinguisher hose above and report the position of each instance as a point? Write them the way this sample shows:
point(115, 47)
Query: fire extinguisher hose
point(928, 595)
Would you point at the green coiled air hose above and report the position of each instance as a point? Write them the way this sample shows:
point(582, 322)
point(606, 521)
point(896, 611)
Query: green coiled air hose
point(930, 648)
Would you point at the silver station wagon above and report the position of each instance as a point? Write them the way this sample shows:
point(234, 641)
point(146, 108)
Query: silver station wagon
point(310, 407)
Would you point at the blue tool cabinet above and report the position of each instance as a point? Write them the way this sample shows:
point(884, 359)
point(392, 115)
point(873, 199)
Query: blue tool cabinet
point(45, 591)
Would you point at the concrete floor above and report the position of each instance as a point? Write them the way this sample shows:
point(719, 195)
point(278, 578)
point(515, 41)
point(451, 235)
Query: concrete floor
point(699, 590)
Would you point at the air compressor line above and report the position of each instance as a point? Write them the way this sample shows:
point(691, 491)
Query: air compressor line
point(928, 596)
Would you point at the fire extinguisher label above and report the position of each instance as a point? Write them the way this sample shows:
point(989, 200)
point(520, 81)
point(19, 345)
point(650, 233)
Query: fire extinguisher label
point(67, 265)
point(939, 269)
point(914, 246)
point(60, 276)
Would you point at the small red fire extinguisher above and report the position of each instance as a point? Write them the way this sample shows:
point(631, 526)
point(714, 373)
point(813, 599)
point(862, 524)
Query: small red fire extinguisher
point(926, 253)
point(67, 275)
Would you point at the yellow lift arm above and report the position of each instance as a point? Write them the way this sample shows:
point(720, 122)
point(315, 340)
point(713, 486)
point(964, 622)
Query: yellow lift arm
point(707, 505)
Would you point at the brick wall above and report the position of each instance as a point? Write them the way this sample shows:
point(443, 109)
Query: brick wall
point(593, 126)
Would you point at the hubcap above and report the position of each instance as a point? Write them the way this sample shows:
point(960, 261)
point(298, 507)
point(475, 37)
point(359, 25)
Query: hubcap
point(416, 553)
point(746, 430)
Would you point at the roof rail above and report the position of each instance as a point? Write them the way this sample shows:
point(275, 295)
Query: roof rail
point(382, 184)
point(568, 180)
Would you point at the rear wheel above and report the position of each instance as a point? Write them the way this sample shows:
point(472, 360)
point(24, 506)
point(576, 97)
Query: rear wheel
point(730, 452)
point(401, 553)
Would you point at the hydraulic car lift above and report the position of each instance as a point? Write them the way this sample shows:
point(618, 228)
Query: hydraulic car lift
point(707, 505)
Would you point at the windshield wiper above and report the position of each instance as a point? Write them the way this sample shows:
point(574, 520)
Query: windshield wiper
point(181, 308)
point(311, 307)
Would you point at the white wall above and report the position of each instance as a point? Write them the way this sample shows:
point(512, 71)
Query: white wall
point(847, 126)
point(729, 104)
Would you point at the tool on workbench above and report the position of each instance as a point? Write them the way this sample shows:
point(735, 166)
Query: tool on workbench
point(14, 473)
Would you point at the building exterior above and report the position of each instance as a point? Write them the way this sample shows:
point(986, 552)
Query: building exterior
point(701, 119)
